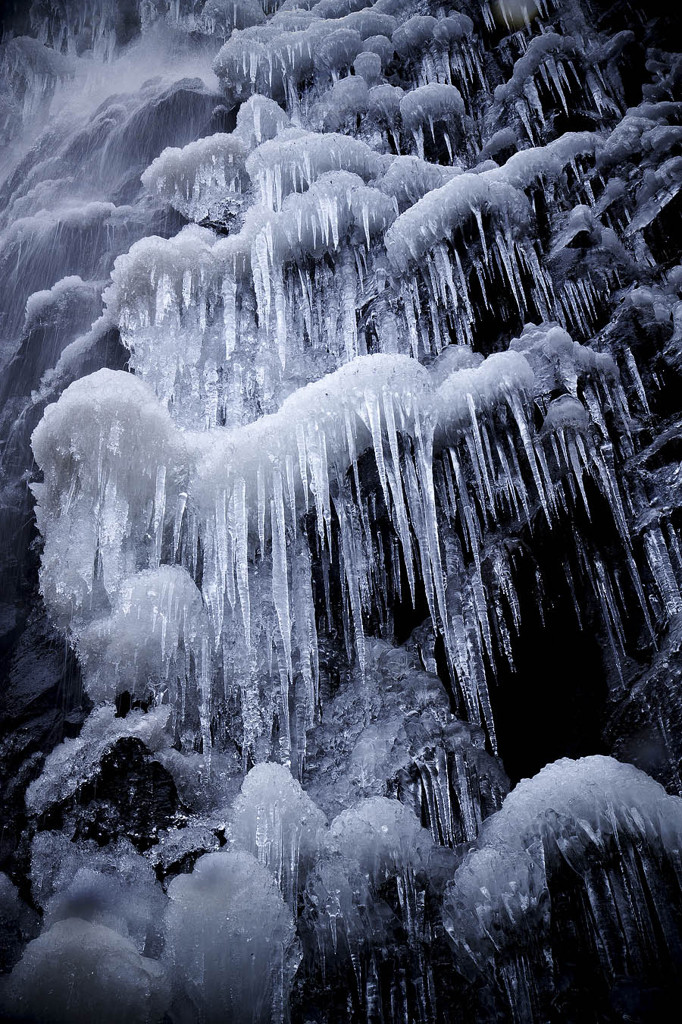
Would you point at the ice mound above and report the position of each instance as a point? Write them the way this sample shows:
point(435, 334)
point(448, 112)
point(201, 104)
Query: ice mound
point(76, 970)
point(276, 821)
point(230, 940)
point(590, 815)
point(202, 179)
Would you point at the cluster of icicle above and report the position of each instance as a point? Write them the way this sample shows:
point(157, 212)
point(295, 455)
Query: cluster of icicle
point(226, 524)
point(615, 861)
point(311, 439)
point(197, 514)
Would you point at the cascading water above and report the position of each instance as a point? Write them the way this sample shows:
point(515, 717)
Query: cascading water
point(340, 370)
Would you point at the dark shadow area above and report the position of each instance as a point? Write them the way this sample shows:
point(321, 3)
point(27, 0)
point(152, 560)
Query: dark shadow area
point(553, 705)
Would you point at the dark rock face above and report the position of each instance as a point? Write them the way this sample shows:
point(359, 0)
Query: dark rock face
point(42, 703)
point(131, 796)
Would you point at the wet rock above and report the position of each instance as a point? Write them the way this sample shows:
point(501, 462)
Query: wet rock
point(131, 795)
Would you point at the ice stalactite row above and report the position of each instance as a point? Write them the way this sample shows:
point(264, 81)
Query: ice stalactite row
point(456, 458)
point(203, 180)
point(260, 311)
point(260, 282)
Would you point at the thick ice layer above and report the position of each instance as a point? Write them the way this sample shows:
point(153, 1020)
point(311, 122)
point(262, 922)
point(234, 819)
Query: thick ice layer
point(440, 50)
point(75, 761)
point(429, 104)
point(557, 360)
point(646, 129)
point(436, 216)
point(381, 838)
point(114, 887)
point(293, 161)
point(152, 641)
point(245, 491)
point(338, 203)
point(418, 31)
point(540, 51)
point(497, 192)
point(343, 107)
point(550, 72)
point(116, 446)
point(475, 391)
point(221, 17)
point(211, 323)
point(206, 179)
point(258, 120)
point(408, 179)
point(270, 472)
point(275, 62)
point(367, 65)
point(367, 896)
point(462, 243)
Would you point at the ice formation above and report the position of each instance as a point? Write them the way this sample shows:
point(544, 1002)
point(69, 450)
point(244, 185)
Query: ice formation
point(231, 940)
point(275, 820)
point(76, 969)
point(617, 832)
point(341, 359)
point(222, 502)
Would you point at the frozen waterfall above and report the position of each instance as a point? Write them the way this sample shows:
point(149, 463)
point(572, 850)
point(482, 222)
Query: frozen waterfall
point(341, 354)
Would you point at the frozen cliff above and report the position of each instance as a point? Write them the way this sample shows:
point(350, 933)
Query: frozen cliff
point(341, 357)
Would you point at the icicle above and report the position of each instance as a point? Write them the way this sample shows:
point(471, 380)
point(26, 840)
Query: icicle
point(260, 484)
point(637, 380)
point(397, 492)
point(658, 560)
point(348, 302)
point(373, 413)
point(352, 572)
point(280, 575)
point(479, 456)
point(205, 689)
point(521, 422)
point(229, 292)
point(242, 557)
point(159, 512)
